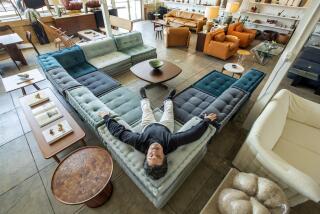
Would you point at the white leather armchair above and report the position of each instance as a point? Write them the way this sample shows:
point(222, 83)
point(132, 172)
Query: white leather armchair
point(284, 145)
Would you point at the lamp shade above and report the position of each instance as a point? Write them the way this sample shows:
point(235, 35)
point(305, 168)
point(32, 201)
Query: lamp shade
point(233, 7)
point(55, 2)
point(212, 12)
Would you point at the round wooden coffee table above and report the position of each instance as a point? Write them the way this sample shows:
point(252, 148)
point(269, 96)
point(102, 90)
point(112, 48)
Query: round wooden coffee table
point(158, 76)
point(84, 177)
point(234, 68)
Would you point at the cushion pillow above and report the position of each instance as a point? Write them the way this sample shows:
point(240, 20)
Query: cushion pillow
point(220, 37)
point(239, 28)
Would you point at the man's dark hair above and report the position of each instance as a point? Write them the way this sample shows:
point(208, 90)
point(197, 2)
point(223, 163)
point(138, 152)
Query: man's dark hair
point(156, 172)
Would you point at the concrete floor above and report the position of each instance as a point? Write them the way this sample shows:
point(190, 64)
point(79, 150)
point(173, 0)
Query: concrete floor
point(26, 175)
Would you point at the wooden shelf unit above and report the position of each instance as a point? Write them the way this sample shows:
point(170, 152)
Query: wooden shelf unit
point(276, 5)
point(270, 15)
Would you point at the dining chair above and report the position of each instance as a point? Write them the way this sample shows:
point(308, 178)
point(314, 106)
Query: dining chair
point(28, 45)
point(4, 55)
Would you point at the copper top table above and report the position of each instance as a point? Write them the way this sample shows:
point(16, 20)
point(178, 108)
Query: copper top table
point(84, 177)
point(14, 82)
point(51, 150)
point(167, 71)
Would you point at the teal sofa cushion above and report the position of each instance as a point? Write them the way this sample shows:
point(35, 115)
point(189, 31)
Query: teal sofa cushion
point(128, 40)
point(69, 57)
point(124, 103)
point(249, 81)
point(98, 48)
point(81, 69)
point(47, 62)
point(214, 83)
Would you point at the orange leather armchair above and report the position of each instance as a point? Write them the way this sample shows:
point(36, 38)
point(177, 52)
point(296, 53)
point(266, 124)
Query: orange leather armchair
point(177, 36)
point(246, 36)
point(219, 45)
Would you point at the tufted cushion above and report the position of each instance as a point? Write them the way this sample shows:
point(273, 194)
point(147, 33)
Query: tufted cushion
point(214, 83)
point(124, 103)
point(62, 81)
point(98, 83)
point(47, 62)
point(140, 53)
point(226, 105)
point(114, 61)
point(87, 105)
point(249, 81)
point(310, 67)
point(181, 162)
point(69, 57)
point(190, 103)
point(98, 48)
point(128, 40)
point(81, 69)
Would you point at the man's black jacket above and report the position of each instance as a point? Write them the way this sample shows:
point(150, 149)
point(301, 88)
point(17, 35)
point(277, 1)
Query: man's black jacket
point(156, 133)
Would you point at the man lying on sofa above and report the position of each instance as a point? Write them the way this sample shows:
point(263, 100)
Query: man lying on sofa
point(157, 138)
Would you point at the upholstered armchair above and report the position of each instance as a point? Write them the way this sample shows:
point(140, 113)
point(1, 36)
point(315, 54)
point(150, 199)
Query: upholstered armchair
point(177, 37)
point(72, 5)
point(93, 4)
point(283, 145)
point(245, 35)
point(219, 45)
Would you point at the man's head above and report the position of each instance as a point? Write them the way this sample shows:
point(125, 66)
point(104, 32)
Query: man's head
point(155, 164)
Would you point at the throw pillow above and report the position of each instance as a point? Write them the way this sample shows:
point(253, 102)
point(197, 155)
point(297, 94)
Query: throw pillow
point(220, 37)
point(239, 28)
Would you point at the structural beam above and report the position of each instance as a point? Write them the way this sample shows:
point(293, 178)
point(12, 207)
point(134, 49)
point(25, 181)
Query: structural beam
point(304, 29)
point(106, 17)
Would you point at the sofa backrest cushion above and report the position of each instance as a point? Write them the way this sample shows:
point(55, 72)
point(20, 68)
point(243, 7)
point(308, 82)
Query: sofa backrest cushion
point(128, 40)
point(197, 17)
point(249, 81)
point(214, 83)
point(185, 15)
point(98, 48)
point(311, 54)
point(220, 37)
point(69, 57)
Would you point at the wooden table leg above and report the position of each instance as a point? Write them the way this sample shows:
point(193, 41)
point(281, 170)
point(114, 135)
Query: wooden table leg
point(35, 85)
point(16, 54)
point(23, 91)
point(56, 158)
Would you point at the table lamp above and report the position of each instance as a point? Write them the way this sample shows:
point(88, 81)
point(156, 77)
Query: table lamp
point(211, 13)
point(231, 9)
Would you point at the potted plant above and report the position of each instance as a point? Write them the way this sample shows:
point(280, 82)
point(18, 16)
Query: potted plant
point(33, 17)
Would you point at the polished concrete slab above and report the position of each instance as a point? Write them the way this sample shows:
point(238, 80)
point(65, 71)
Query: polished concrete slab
point(26, 175)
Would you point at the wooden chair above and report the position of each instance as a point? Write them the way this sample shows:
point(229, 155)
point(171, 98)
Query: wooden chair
point(58, 35)
point(4, 55)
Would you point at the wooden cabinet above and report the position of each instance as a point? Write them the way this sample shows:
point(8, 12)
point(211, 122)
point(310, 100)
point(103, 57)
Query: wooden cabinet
point(73, 23)
point(200, 41)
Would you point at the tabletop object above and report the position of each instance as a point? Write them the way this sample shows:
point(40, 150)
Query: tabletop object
point(14, 82)
point(84, 177)
point(91, 35)
point(234, 68)
point(167, 71)
point(51, 150)
point(11, 41)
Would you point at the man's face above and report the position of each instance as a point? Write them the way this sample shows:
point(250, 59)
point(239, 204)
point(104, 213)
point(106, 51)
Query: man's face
point(155, 155)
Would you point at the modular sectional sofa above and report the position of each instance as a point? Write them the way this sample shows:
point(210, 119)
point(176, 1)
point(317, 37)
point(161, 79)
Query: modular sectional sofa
point(96, 91)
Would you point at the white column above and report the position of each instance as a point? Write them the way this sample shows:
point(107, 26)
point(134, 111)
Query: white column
point(106, 17)
point(296, 43)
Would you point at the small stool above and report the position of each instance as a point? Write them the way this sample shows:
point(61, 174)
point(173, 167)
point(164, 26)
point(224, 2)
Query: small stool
point(159, 33)
point(234, 68)
point(241, 55)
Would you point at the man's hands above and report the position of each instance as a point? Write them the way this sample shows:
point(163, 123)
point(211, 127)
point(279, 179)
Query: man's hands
point(212, 116)
point(103, 113)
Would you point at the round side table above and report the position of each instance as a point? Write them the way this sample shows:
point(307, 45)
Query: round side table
point(84, 177)
point(234, 68)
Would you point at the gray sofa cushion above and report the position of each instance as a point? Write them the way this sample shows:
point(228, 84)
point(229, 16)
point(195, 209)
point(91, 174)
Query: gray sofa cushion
point(181, 162)
point(140, 53)
point(124, 103)
point(128, 40)
point(98, 83)
point(190, 103)
point(62, 81)
point(98, 48)
point(226, 105)
point(87, 105)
